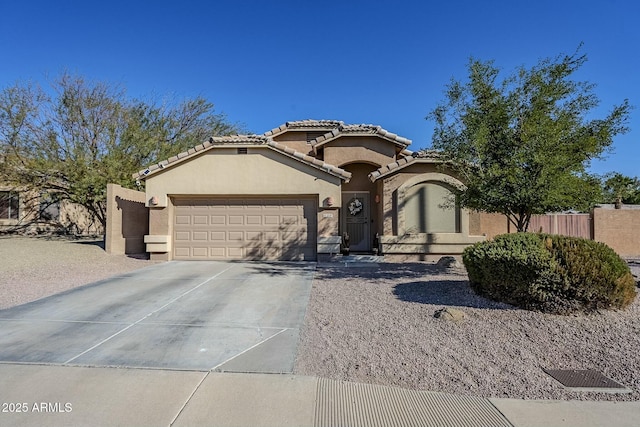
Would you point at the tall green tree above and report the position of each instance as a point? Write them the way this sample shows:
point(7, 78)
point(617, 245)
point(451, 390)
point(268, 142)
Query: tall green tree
point(87, 134)
point(617, 187)
point(523, 144)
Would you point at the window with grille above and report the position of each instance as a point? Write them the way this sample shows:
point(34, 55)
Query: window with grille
point(9, 204)
point(49, 207)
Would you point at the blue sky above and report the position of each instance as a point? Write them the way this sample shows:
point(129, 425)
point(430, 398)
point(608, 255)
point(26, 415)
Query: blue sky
point(267, 62)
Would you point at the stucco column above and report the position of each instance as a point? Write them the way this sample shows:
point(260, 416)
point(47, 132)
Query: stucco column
point(159, 242)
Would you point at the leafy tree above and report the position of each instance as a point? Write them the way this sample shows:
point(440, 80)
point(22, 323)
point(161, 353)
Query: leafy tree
point(87, 134)
point(620, 188)
point(522, 145)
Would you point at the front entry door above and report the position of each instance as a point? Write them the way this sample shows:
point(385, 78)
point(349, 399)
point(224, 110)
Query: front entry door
point(356, 220)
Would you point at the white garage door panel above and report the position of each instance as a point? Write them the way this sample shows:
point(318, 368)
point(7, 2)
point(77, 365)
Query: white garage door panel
point(228, 228)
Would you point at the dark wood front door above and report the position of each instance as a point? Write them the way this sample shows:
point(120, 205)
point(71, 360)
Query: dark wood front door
point(356, 220)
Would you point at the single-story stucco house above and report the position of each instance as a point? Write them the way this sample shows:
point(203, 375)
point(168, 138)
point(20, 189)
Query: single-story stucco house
point(294, 192)
point(34, 212)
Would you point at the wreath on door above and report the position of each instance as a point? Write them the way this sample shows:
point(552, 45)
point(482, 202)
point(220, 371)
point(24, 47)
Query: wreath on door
point(355, 206)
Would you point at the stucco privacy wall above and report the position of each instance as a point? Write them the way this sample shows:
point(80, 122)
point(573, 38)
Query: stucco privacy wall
point(619, 229)
point(489, 225)
point(394, 240)
point(127, 221)
point(222, 171)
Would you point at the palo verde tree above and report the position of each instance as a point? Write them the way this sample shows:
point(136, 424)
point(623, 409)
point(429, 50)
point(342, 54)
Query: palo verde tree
point(86, 134)
point(522, 144)
point(619, 188)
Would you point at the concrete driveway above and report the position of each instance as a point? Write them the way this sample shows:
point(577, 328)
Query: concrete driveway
point(230, 317)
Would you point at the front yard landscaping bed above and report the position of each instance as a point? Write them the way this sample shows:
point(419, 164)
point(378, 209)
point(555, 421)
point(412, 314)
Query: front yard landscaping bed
point(377, 325)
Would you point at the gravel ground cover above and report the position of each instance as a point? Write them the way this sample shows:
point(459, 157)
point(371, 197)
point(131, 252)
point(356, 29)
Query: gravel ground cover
point(35, 267)
point(377, 325)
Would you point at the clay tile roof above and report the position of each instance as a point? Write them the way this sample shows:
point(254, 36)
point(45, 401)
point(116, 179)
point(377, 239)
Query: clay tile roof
point(362, 129)
point(239, 139)
point(425, 156)
point(243, 140)
point(309, 124)
point(312, 161)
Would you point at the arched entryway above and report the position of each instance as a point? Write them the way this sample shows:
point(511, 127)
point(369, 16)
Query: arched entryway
point(359, 214)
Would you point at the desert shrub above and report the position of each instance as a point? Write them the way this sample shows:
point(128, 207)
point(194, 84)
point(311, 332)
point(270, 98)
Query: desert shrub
point(555, 274)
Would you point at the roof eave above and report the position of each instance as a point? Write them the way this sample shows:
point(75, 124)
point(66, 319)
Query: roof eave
point(303, 126)
point(231, 143)
point(311, 161)
point(401, 164)
point(401, 143)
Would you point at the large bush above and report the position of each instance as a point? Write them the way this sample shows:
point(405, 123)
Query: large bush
point(554, 274)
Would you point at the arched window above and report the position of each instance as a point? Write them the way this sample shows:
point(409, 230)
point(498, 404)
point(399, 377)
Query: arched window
point(430, 207)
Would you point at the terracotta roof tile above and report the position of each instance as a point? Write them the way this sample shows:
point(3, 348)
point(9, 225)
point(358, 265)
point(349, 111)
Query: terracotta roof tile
point(425, 156)
point(239, 139)
point(304, 124)
point(362, 129)
point(311, 161)
point(252, 140)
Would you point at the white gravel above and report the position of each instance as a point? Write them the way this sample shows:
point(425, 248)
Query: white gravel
point(377, 326)
point(35, 267)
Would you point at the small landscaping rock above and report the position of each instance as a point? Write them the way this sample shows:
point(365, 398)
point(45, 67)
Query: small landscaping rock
point(451, 314)
point(448, 262)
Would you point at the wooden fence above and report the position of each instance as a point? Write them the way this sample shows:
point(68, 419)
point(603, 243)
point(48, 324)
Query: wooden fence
point(577, 225)
point(618, 228)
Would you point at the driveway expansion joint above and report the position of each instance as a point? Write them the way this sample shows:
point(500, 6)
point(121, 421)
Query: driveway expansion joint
point(150, 314)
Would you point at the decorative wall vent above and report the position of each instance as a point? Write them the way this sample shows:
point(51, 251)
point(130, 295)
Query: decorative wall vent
point(313, 135)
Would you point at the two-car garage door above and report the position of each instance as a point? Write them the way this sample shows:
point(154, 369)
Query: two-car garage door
point(229, 228)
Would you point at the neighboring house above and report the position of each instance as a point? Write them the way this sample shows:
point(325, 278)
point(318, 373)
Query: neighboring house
point(33, 212)
point(295, 191)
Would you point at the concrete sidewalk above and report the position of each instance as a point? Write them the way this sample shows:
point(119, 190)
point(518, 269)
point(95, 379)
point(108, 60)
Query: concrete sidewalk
point(41, 395)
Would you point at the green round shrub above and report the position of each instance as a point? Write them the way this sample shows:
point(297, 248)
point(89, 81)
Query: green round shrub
point(550, 273)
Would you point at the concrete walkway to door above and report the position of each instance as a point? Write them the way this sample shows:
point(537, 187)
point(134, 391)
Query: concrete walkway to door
point(198, 316)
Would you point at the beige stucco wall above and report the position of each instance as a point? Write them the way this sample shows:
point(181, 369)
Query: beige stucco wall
point(347, 150)
point(619, 229)
point(490, 224)
point(328, 226)
point(127, 221)
point(296, 141)
point(160, 235)
point(221, 171)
